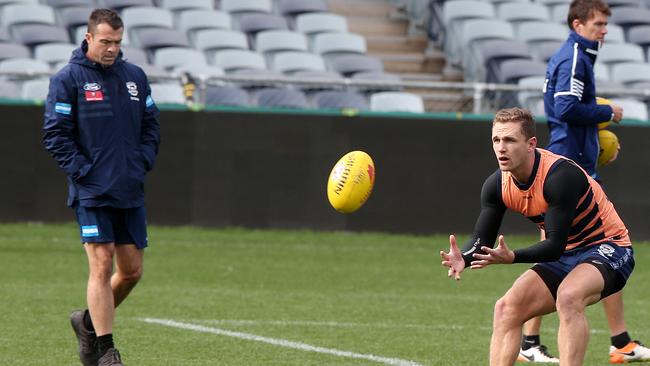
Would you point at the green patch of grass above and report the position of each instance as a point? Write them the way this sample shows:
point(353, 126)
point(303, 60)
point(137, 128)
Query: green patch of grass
point(366, 293)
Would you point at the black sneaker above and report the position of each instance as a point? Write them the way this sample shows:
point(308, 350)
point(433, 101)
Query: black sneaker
point(88, 350)
point(111, 358)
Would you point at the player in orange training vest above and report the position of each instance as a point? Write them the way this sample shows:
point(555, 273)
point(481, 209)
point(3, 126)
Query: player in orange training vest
point(586, 256)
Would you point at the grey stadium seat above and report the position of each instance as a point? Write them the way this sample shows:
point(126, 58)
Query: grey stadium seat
point(271, 41)
point(477, 30)
point(312, 23)
point(26, 66)
point(74, 17)
point(5, 36)
point(532, 32)
point(35, 89)
point(629, 73)
point(143, 16)
point(122, 4)
point(253, 23)
point(348, 65)
point(640, 35)
point(27, 14)
point(35, 34)
point(455, 15)
point(339, 43)
point(515, 69)
point(53, 53)
point(339, 99)
point(488, 55)
point(246, 6)
point(629, 16)
point(296, 7)
point(381, 81)
point(167, 93)
point(291, 61)
point(520, 12)
point(232, 60)
point(559, 13)
point(281, 98)
point(326, 76)
point(632, 108)
point(190, 21)
point(134, 55)
point(9, 89)
point(13, 50)
point(153, 38)
point(615, 34)
point(211, 41)
point(545, 50)
point(180, 5)
point(230, 96)
point(620, 52)
point(396, 102)
point(60, 4)
point(170, 57)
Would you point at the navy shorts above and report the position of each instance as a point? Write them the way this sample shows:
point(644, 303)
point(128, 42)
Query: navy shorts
point(614, 263)
point(112, 225)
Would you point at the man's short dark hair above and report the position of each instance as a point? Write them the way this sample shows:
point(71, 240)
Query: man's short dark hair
point(517, 115)
point(108, 16)
point(583, 10)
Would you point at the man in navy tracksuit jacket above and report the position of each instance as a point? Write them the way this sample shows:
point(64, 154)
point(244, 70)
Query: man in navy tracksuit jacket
point(101, 126)
point(573, 116)
point(570, 102)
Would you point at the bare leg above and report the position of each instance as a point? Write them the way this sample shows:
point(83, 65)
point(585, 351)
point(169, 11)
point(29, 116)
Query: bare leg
point(579, 289)
point(128, 271)
point(533, 326)
point(522, 302)
point(99, 293)
point(613, 306)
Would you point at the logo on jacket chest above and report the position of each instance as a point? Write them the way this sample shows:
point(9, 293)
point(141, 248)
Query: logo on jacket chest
point(93, 92)
point(132, 88)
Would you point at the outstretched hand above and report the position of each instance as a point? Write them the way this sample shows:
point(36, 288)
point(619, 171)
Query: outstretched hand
point(499, 255)
point(453, 259)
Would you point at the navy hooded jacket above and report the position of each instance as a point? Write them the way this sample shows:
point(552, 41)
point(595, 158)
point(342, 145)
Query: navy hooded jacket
point(101, 126)
point(570, 102)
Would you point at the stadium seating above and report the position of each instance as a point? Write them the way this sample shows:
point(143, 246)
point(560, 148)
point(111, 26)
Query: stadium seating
point(640, 35)
point(396, 102)
point(348, 65)
point(273, 41)
point(34, 34)
point(26, 66)
point(630, 73)
point(230, 96)
point(53, 53)
point(630, 16)
point(35, 89)
point(123, 4)
point(180, 5)
point(9, 89)
point(632, 108)
point(483, 63)
point(292, 61)
point(134, 55)
point(335, 44)
point(202, 72)
point(26, 14)
point(281, 98)
point(313, 23)
point(293, 8)
point(246, 6)
point(170, 57)
point(232, 60)
point(12, 50)
point(167, 93)
point(337, 99)
point(190, 21)
point(61, 4)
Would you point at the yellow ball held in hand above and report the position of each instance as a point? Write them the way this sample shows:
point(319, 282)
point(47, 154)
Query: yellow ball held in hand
point(609, 146)
point(603, 101)
point(350, 182)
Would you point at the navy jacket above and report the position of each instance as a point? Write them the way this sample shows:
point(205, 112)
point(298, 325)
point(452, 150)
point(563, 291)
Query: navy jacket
point(570, 102)
point(101, 126)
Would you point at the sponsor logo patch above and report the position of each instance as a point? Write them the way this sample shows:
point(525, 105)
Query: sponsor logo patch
point(149, 101)
point(132, 88)
point(63, 108)
point(93, 96)
point(90, 230)
point(92, 86)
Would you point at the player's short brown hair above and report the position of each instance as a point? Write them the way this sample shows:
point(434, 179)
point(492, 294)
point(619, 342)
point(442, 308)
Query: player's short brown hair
point(108, 16)
point(583, 10)
point(517, 115)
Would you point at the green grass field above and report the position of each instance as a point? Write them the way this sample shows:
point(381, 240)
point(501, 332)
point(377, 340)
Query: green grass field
point(246, 297)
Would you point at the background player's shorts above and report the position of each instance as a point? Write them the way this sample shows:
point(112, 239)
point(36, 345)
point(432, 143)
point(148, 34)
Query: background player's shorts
point(614, 263)
point(112, 225)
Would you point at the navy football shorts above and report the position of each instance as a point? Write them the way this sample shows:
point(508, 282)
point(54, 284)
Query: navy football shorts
point(112, 225)
point(614, 263)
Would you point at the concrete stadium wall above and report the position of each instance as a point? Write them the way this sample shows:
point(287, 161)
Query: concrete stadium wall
point(270, 170)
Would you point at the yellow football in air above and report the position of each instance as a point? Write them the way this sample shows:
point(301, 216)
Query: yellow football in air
point(350, 182)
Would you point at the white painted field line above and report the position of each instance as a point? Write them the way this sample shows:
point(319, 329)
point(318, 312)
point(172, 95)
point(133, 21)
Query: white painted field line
point(280, 342)
point(311, 323)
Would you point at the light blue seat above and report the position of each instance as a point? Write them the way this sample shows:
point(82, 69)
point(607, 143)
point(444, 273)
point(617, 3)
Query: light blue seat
point(27, 14)
point(170, 57)
point(291, 61)
point(396, 102)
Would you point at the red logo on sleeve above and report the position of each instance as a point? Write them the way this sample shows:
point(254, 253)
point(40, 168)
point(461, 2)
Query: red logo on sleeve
point(93, 96)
